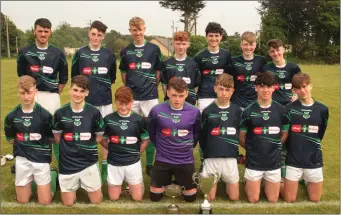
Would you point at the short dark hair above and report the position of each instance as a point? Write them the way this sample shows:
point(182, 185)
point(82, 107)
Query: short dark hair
point(81, 81)
point(43, 22)
point(275, 43)
point(100, 26)
point(266, 78)
point(214, 27)
point(299, 79)
point(178, 84)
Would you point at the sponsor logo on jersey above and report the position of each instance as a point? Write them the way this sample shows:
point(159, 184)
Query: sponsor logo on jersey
point(305, 129)
point(288, 86)
point(47, 69)
point(263, 130)
point(219, 71)
point(131, 140)
point(87, 70)
point(146, 65)
point(231, 131)
point(187, 80)
point(215, 131)
point(274, 130)
point(182, 133)
point(124, 126)
point(166, 132)
point(68, 136)
point(102, 70)
point(296, 128)
point(313, 129)
point(180, 68)
point(253, 77)
point(34, 68)
point(77, 122)
point(85, 136)
point(241, 78)
point(277, 86)
point(20, 136)
point(132, 66)
point(27, 122)
point(35, 136)
point(114, 139)
point(266, 116)
point(223, 131)
point(206, 72)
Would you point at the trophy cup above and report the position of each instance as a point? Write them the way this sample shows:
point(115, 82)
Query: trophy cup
point(205, 182)
point(173, 191)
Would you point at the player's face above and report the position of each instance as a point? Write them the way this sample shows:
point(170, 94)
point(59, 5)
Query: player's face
point(176, 99)
point(213, 39)
point(264, 92)
point(276, 54)
point(180, 47)
point(27, 97)
point(223, 93)
point(42, 34)
point(137, 32)
point(123, 108)
point(78, 94)
point(304, 92)
point(248, 48)
point(96, 37)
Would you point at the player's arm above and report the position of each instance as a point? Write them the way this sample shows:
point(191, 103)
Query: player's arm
point(21, 64)
point(47, 120)
point(9, 129)
point(228, 67)
point(204, 130)
point(152, 124)
point(324, 123)
point(286, 118)
point(112, 68)
point(75, 65)
point(123, 66)
point(196, 129)
point(98, 125)
point(244, 124)
point(143, 135)
point(57, 127)
point(158, 65)
point(164, 80)
point(105, 140)
point(63, 72)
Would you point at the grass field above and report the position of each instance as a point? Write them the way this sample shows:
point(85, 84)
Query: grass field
point(326, 90)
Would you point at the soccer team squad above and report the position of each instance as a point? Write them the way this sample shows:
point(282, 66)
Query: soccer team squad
point(242, 101)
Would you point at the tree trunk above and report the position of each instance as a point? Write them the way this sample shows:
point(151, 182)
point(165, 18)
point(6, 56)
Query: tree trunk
point(186, 20)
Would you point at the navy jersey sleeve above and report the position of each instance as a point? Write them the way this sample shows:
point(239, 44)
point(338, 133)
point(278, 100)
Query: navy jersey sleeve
point(244, 121)
point(264, 63)
point(158, 60)
point(57, 125)
point(239, 117)
point(63, 69)
point(143, 129)
point(204, 129)
point(152, 124)
point(325, 116)
point(113, 68)
point(164, 76)
point(297, 69)
point(21, 64)
point(75, 65)
point(228, 66)
point(285, 119)
point(105, 126)
point(123, 65)
point(98, 123)
point(47, 119)
point(9, 129)
point(196, 129)
point(198, 76)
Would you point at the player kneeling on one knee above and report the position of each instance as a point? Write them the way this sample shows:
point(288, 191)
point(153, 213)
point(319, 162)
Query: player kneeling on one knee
point(28, 127)
point(308, 125)
point(78, 127)
point(174, 129)
point(263, 128)
point(219, 137)
point(127, 137)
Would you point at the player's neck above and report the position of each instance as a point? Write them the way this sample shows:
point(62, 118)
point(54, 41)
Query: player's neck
point(213, 49)
point(94, 48)
point(180, 57)
point(77, 107)
point(139, 42)
point(307, 102)
point(42, 46)
point(222, 104)
point(264, 103)
point(248, 57)
point(280, 63)
point(27, 108)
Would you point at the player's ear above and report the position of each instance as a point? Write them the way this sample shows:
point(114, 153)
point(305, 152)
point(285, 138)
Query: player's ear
point(86, 93)
point(215, 88)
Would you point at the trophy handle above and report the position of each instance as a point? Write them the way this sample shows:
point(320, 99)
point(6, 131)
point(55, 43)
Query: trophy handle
point(195, 178)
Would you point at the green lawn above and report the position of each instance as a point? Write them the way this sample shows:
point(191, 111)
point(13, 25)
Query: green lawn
point(326, 90)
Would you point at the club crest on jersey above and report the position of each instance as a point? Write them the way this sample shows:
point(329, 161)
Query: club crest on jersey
point(180, 68)
point(266, 116)
point(41, 56)
point(27, 122)
point(306, 115)
point(124, 126)
point(248, 66)
point(281, 74)
point(215, 60)
point(176, 119)
point(139, 53)
point(77, 122)
point(224, 117)
point(95, 58)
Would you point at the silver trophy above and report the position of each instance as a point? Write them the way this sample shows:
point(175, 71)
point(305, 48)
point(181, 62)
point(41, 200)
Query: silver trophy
point(173, 191)
point(205, 183)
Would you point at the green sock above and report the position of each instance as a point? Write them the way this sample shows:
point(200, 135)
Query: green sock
point(56, 151)
point(54, 178)
point(104, 171)
point(34, 188)
point(150, 152)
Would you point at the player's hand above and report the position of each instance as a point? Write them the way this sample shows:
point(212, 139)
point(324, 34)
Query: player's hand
point(293, 98)
point(11, 141)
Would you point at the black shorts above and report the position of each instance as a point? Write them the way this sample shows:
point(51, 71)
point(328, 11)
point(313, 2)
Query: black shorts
point(162, 174)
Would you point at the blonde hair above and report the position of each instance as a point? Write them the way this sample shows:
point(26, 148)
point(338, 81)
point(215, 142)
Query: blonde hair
point(26, 82)
point(249, 37)
point(136, 21)
point(225, 80)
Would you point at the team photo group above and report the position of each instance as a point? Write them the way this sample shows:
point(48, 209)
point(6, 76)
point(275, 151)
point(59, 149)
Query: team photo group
point(212, 100)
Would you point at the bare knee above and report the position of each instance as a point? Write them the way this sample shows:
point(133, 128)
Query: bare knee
point(96, 201)
point(272, 199)
point(68, 202)
point(114, 197)
point(23, 200)
point(314, 198)
point(234, 197)
point(44, 201)
point(289, 199)
point(137, 197)
point(253, 199)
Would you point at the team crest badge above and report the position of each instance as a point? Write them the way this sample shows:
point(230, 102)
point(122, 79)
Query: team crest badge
point(95, 58)
point(27, 122)
point(306, 115)
point(224, 117)
point(77, 122)
point(266, 116)
point(176, 119)
point(248, 66)
point(281, 74)
point(180, 68)
point(215, 60)
point(41, 56)
point(139, 53)
point(124, 126)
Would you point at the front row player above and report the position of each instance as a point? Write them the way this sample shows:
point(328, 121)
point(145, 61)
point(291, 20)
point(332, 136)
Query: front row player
point(219, 137)
point(28, 128)
point(263, 129)
point(174, 129)
point(309, 120)
point(78, 127)
point(127, 137)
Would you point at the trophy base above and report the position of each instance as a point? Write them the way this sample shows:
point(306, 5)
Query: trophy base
point(201, 211)
point(173, 209)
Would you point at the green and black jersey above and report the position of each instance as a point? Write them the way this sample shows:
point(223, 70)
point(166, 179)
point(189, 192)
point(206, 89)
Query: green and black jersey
point(308, 125)
point(31, 133)
point(48, 66)
point(219, 136)
point(186, 69)
point(211, 65)
point(140, 64)
point(124, 136)
point(263, 127)
point(284, 76)
point(78, 146)
point(100, 67)
point(244, 73)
